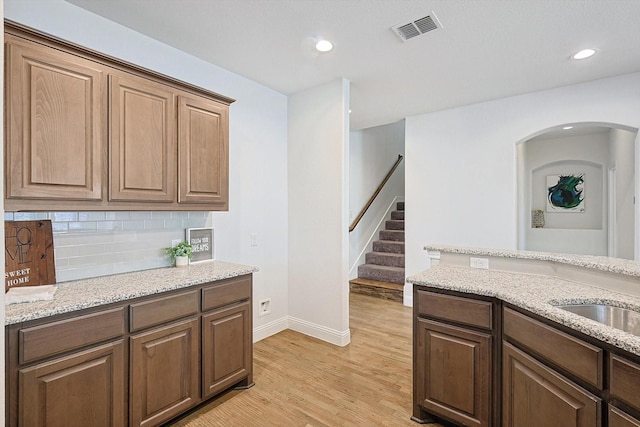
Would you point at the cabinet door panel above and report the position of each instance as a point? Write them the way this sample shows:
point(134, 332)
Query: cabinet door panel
point(142, 140)
point(84, 389)
point(55, 125)
point(164, 373)
point(618, 418)
point(534, 395)
point(226, 348)
point(203, 151)
point(455, 380)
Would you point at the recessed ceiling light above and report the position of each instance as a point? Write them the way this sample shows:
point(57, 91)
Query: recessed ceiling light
point(567, 127)
point(324, 46)
point(584, 53)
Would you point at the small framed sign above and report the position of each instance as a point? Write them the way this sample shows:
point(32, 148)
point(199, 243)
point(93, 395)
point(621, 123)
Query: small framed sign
point(201, 240)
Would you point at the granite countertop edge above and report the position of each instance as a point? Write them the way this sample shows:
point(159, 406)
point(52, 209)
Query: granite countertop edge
point(537, 294)
point(601, 263)
point(87, 293)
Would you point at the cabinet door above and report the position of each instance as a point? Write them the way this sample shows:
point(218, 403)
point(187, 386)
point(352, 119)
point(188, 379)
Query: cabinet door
point(203, 140)
point(54, 124)
point(84, 389)
point(618, 418)
point(454, 372)
point(142, 140)
point(226, 348)
point(164, 377)
point(533, 395)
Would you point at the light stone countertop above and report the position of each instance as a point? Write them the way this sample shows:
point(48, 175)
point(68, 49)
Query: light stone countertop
point(536, 293)
point(80, 294)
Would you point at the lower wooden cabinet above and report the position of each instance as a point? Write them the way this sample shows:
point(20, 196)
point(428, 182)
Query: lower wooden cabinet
point(454, 359)
point(481, 362)
point(226, 348)
point(164, 372)
point(83, 389)
point(534, 395)
point(455, 373)
point(618, 418)
point(102, 367)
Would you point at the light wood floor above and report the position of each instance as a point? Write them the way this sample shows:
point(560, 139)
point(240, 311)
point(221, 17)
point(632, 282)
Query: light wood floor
point(302, 381)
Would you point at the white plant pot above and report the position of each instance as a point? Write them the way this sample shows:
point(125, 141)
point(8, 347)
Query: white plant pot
point(182, 261)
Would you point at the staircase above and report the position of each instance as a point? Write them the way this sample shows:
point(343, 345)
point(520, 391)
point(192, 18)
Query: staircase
point(383, 274)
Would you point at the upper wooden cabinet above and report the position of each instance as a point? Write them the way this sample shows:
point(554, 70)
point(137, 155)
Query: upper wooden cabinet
point(142, 140)
point(88, 132)
point(54, 124)
point(203, 152)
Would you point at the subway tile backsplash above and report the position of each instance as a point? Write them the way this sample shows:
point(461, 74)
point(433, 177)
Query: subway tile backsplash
point(91, 244)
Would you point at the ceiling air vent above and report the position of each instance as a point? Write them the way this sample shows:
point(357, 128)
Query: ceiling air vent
point(417, 27)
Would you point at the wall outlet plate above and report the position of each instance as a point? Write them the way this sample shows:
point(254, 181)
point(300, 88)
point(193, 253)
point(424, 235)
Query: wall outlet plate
point(264, 307)
point(482, 263)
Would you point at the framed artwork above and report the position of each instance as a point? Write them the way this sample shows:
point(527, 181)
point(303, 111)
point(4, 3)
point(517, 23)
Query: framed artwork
point(201, 240)
point(565, 193)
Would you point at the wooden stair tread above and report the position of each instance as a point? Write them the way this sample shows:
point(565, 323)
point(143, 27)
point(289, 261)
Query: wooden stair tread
point(376, 283)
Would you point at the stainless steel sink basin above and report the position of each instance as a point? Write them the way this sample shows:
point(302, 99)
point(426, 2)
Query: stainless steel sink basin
point(616, 317)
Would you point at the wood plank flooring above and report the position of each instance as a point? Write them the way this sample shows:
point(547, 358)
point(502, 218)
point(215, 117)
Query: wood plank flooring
point(302, 381)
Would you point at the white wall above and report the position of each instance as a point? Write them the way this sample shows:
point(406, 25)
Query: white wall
point(461, 163)
point(372, 152)
point(318, 219)
point(570, 232)
point(622, 157)
point(257, 146)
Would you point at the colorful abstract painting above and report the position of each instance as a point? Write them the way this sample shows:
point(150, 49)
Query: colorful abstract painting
point(565, 193)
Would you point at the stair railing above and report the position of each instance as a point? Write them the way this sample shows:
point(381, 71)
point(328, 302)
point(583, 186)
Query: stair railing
point(375, 194)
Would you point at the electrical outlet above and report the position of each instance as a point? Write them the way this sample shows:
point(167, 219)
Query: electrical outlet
point(264, 307)
point(254, 239)
point(482, 263)
point(175, 242)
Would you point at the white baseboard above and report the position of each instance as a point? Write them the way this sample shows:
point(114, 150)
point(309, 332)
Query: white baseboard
point(407, 295)
point(339, 338)
point(307, 328)
point(271, 328)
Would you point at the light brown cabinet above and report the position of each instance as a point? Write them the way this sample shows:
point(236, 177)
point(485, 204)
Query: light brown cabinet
point(226, 348)
point(534, 395)
point(83, 389)
point(164, 372)
point(456, 376)
point(142, 140)
point(453, 359)
point(135, 363)
point(473, 352)
point(618, 418)
point(86, 131)
point(54, 124)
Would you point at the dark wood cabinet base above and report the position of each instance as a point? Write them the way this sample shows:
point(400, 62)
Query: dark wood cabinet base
point(141, 362)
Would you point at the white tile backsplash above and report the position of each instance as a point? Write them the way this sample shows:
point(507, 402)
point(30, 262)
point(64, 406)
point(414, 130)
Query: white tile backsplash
point(91, 244)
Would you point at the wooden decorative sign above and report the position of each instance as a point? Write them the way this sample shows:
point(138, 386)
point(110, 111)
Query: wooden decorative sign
point(29, 259)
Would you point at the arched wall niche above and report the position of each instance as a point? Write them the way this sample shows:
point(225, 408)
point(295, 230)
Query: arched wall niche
point(603, 154)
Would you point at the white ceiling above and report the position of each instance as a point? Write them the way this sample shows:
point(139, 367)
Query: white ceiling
point(486, 49)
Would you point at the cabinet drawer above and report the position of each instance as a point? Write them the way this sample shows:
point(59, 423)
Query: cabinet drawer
point(456, 309)
point(161, 310)
point(226, 293)
point(577, 357)
point(624, 380)
point(42, 341)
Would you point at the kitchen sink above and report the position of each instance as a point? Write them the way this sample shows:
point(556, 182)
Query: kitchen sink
point(616, 317)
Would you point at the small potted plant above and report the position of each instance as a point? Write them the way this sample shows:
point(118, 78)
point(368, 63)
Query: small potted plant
point(179, 254)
